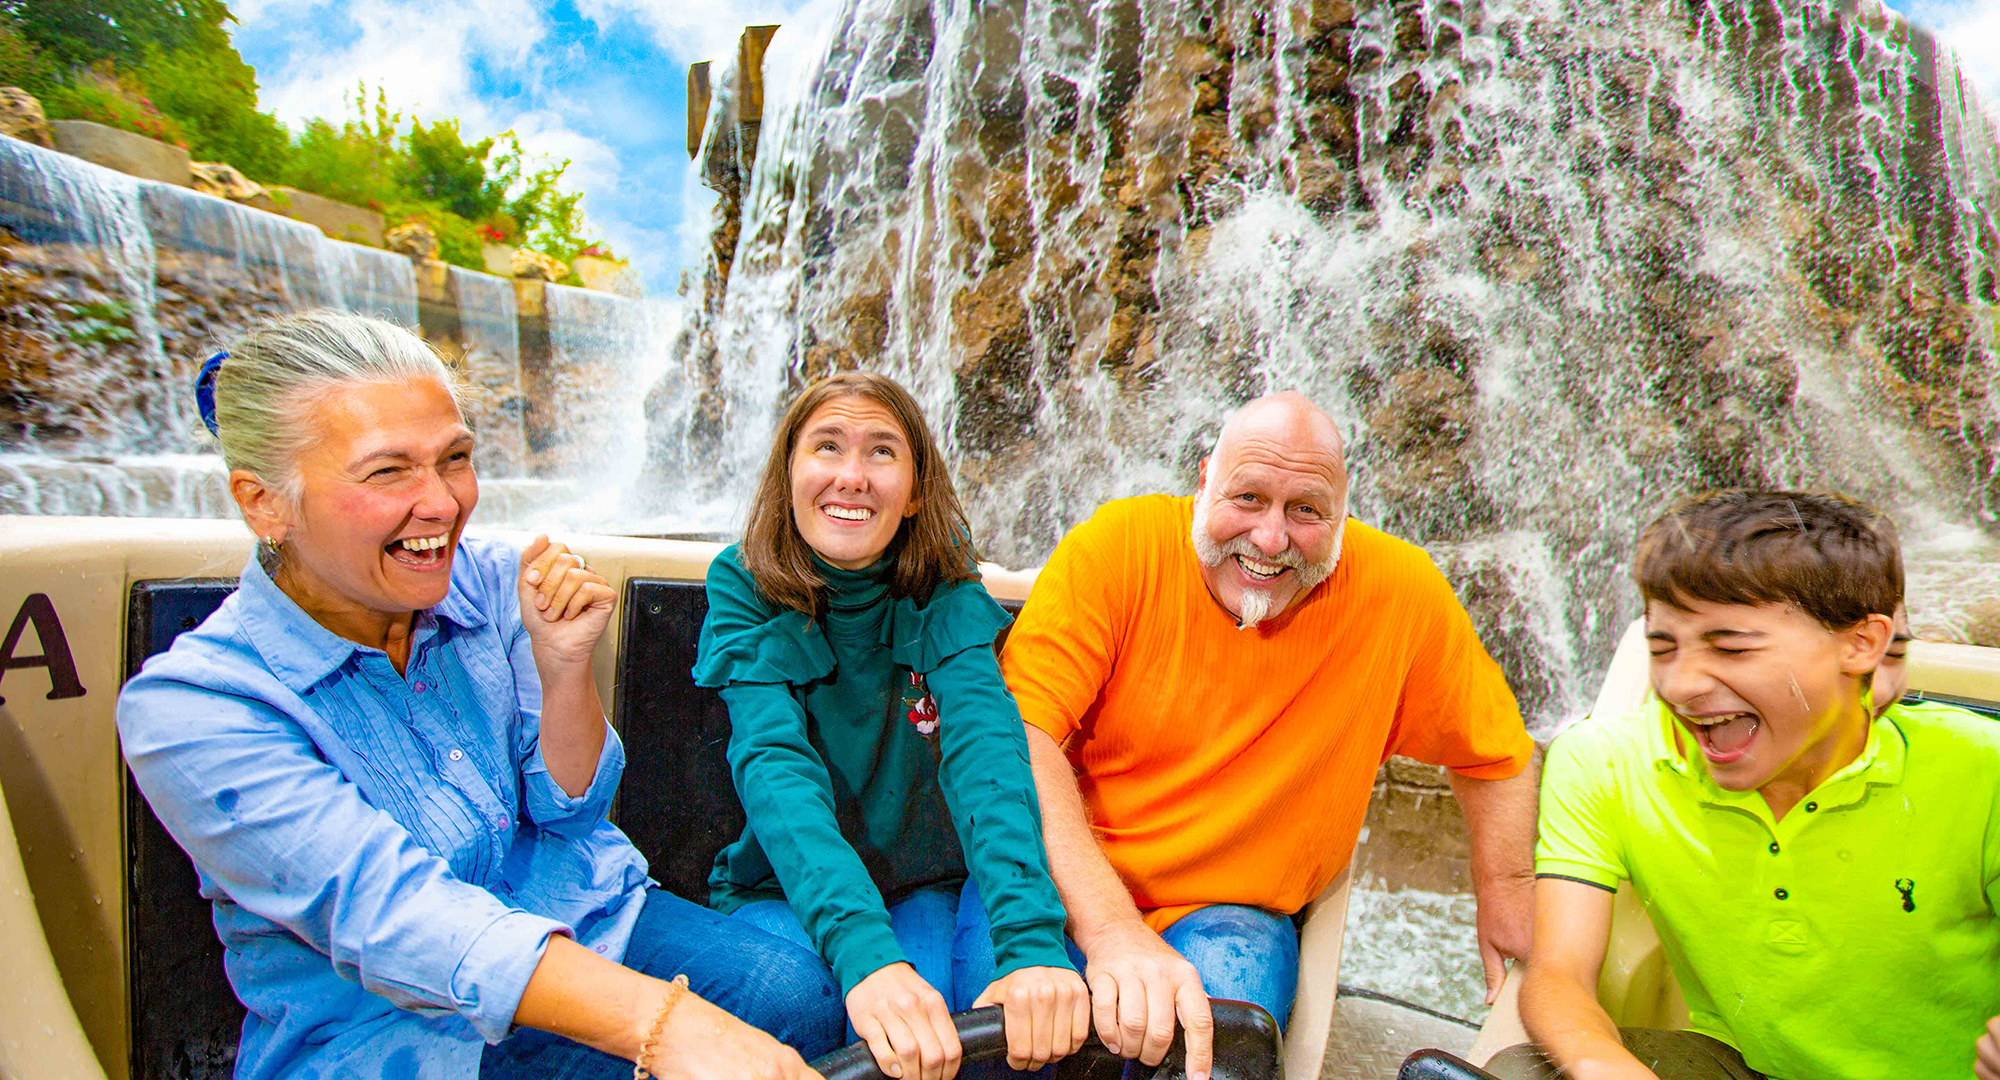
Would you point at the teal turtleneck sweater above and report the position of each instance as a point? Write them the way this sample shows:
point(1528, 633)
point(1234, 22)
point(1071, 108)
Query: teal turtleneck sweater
point(848, 800)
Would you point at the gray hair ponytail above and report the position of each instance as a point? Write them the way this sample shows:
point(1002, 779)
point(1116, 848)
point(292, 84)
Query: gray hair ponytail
point(276, 371)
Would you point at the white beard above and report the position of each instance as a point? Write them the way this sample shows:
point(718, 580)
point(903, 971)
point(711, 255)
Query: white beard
point(1256, 604)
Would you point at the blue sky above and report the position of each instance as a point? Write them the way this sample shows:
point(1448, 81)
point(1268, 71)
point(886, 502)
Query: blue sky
point(603, 83)
point(600, 82)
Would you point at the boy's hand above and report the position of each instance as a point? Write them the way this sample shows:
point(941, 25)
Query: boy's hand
point(1048, 1014)
point(1986, 1063)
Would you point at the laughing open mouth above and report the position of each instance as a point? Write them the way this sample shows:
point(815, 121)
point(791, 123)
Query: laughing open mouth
point(1262, 571)
point(1725, 737)
point(421, 552)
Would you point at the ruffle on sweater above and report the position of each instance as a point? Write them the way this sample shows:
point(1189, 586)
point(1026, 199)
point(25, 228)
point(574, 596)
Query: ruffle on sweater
point(746, 639)
point(961, 615)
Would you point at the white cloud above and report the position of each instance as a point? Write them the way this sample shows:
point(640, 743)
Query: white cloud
point(694, 30)
point(593, 164)
point(1971, 30)
point(420, 55)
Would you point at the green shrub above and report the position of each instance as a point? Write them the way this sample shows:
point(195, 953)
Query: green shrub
point(102, 96)
point(212, 96)
point(21, 63)
point(359, 162)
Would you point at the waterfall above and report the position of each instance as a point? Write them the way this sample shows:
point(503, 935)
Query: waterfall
point(490, 335)
point(92, 267)
point(114, 289)
point(1548, 263)
point(587, 425)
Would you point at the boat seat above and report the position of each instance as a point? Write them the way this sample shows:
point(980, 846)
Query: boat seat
point(39, 1032)
point(185, 1018)
point(679, 809)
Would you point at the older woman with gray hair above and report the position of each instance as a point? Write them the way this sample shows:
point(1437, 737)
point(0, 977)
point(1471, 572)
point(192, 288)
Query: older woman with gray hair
point(387, 758)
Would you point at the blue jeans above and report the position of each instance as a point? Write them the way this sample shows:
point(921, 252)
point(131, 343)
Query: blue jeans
point(947, 938)
point(943, 931)
point(767, 983)
point(1243, 954)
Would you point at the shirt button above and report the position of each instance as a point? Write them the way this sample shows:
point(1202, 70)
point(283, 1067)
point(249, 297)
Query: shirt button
point(1774, 847)
point(1781, 894)
point(599, 949)
point(420, 687)
point(457, 755)
point(1811, 806)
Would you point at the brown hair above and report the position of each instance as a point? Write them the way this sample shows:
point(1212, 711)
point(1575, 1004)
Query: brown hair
point(931, 547)
point(1836, 559)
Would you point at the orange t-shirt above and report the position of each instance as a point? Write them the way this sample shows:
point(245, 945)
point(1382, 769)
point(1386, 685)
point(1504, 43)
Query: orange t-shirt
point(1228, 766)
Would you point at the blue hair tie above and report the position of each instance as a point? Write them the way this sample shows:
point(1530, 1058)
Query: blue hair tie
point(204, 390)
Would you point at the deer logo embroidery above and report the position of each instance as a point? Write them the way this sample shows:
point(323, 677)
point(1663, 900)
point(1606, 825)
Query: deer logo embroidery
point(1906, 887)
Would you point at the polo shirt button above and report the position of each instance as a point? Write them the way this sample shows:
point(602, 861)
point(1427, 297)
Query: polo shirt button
point(1811, 806)
point(420, 688)
point(1774, 847)
point(1781, 894)
point(457, 755)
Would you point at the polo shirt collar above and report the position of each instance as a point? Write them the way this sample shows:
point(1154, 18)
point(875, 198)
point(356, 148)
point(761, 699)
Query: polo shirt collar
point(1881, 761)
point(301, 652)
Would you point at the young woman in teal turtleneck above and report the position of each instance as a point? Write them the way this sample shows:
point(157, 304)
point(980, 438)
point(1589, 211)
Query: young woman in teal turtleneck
point(881, 762)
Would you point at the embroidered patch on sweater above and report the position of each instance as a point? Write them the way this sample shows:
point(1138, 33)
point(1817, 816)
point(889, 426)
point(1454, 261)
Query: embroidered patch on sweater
point(920, 708)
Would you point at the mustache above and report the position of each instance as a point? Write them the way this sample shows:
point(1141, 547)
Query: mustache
point(1241, 545)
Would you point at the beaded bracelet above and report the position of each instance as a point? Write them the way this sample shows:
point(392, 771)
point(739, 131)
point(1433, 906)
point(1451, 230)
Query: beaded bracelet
point(659, 1025)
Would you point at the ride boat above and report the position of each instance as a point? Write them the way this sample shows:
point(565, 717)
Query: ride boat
point(110, 968)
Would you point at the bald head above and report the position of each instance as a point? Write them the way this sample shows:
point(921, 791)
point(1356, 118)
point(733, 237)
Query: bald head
point(1289, 422)
point(1270, 515)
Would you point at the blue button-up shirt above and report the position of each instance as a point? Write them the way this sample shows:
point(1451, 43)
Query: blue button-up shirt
point(386, 853)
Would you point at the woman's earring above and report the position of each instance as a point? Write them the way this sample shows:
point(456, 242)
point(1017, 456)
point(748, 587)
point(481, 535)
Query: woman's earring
point(272, 544)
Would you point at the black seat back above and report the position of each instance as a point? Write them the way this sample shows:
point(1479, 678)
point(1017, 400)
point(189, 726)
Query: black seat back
point(185, 1019)
point(677, 801)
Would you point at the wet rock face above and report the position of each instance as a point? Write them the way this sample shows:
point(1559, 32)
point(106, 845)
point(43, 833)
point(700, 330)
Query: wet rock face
point(77, 375)
point(1548, 265)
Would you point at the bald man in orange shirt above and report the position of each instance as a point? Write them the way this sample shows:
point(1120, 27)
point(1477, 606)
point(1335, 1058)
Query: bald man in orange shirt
point(1209, 686)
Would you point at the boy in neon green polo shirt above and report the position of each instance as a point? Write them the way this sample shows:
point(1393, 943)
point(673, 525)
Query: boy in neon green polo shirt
point(1823, 879)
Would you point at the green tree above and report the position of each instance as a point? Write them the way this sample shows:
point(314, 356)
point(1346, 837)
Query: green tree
point(73, 33)
point(21, 63)
point(359, 162)
point(212, 95)
point(551, 219)
point(167, 69)
point(442, 167)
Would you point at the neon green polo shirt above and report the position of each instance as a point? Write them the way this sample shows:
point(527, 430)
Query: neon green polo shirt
point(1854, 939)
